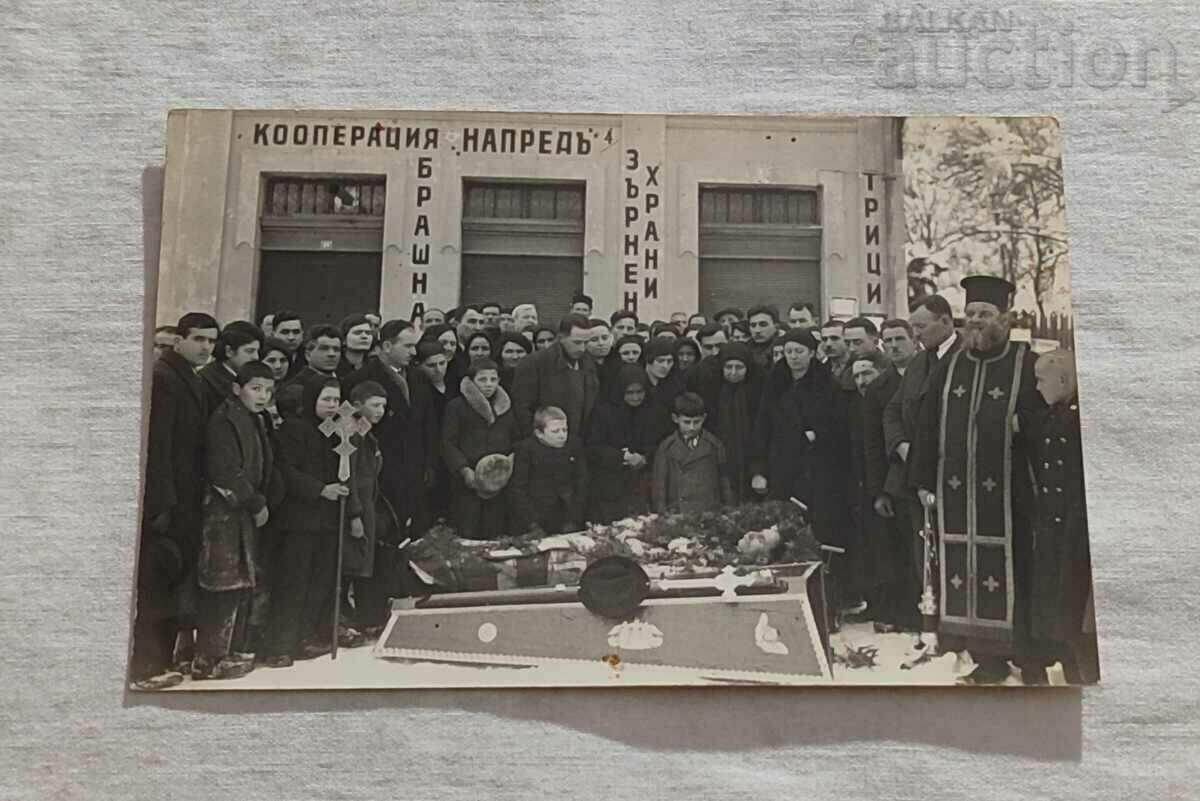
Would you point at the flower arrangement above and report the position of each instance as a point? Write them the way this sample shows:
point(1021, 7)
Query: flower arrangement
point(675, 544)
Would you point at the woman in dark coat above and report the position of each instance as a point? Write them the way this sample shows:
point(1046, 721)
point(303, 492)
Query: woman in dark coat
point(664, 384)
point(479, 422)
point(302, 593)
point(800, 438)
point(620, 450)
point(434, 364)
point(732, 407)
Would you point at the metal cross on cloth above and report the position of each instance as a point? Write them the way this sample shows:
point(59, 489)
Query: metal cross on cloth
point(345, 424)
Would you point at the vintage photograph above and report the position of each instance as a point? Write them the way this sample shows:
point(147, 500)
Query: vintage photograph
point(477, 399)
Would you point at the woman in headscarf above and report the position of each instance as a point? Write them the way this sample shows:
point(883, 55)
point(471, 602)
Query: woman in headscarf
point(431, 360)
point(739, 331)
point(620, 446)
point(800, 437)
point(456, 360)
point(663, 385)
point(544, 337)
point(306, 561)
point(629, 349)
point(733, 407)
point(687, 354)
point(510, 348)
point(600, 347)
point(478, 346)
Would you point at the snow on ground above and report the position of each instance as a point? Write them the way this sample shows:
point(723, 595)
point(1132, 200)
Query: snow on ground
point(360, 668)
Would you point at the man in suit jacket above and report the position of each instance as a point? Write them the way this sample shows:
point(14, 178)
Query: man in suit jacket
point(562, 375)
point(889, 539)
point(408, 433)
point(932, 324)
point(174, 489)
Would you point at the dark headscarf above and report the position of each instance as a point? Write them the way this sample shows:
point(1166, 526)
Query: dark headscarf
point(657, 346)
point(435, 331)
point(312, 391)
point(687, 342)
point(803, 336)
point(627, 376)
point(538, 330)
point(635, 339)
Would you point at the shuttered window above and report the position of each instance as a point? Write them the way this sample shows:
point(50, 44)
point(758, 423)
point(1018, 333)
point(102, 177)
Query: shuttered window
point(523, 243)
point(759, 245)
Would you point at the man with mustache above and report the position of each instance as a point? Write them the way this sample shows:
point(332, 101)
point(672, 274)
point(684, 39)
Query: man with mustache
point(972, 467)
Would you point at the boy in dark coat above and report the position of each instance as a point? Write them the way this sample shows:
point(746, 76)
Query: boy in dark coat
point(690, 468)
point(241, 476)
point(620, 446)
point(171, 504)
point(479, 422)
point(308, 527)
point(359, 543)
point(549, 480)
point(1061, 622)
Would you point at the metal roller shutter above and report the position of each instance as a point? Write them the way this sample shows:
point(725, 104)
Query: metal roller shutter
point(545, 281)
point(759, 245)
point(745, 282)
point(523, 243)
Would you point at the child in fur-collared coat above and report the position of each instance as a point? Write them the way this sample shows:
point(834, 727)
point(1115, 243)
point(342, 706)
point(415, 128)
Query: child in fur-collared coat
point(478, 423)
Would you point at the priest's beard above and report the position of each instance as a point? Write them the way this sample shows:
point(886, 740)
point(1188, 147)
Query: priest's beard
point(988, 337)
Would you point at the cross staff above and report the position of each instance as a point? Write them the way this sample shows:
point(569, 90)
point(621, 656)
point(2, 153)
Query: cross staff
point(345, 423)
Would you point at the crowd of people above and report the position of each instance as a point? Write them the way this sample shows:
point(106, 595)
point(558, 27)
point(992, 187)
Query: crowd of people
point(485, 419)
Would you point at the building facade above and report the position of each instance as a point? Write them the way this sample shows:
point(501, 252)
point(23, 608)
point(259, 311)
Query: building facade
point(331, 213)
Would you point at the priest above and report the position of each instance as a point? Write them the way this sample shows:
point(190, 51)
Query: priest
point(972, 465)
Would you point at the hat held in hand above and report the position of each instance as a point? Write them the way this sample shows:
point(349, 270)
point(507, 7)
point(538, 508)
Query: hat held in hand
point(492, 474)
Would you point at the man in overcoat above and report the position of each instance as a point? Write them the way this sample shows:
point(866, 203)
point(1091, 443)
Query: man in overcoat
point(562, 375)
point(171, 502)
point(408, 434)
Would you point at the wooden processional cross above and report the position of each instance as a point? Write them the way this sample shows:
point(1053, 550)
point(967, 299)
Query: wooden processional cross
point(344, 423)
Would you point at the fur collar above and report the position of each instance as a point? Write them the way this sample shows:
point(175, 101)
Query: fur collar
point(499, 406)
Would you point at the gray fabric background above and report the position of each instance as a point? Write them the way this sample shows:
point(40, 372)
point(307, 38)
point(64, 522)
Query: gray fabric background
point(85, 88)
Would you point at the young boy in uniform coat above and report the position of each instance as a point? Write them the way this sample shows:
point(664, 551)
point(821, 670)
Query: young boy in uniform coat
point(1062, 625)
point(242, 484)
point(547, 490)
point(690, 468)
point(308, 529)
